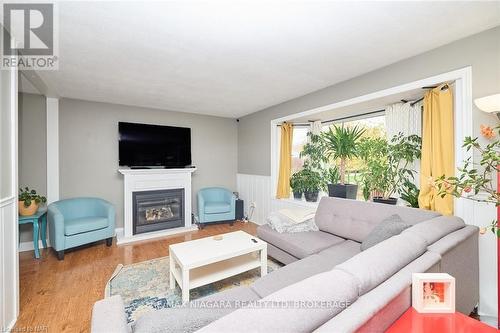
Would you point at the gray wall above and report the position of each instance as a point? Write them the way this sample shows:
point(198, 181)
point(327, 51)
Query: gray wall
point(481, 51)
point(32, 148)
point(88, 148)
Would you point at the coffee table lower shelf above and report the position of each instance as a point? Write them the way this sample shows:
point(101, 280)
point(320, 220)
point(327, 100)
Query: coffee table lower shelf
point(213, 272)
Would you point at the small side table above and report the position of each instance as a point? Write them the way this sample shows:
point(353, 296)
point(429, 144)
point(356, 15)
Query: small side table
point(40, 215)
point(414, 322)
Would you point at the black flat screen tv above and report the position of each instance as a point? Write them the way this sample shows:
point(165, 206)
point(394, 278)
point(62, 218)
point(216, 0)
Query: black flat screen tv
point(142, 145)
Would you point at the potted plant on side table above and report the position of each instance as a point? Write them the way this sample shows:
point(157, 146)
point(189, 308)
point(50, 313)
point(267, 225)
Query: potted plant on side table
point(387, 165)
point(29, 201)
point(341, 143)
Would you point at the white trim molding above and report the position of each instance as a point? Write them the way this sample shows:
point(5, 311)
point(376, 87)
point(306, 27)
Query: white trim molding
point(463, 121)
point(9, 233)
point(52, 149)
point(137, 180)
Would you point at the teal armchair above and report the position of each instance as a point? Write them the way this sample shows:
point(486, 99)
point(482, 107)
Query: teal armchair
point(79, 221)
point(216, 204)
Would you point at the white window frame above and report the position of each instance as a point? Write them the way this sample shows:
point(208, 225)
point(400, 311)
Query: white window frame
point(463, 121)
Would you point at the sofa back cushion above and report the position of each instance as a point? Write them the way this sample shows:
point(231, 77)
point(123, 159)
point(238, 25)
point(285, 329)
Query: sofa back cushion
point(436, 228)
point(377, 309)
point(378, 263)
point(300, 307)
point(353, 219)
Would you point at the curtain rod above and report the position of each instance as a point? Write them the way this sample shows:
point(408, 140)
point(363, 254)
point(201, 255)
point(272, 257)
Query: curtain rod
point(339, 119)
point(444, 87)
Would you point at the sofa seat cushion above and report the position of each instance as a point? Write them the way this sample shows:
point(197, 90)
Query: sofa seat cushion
point(215, 207)
point(298, 244)
point(199, 313)
point(341, 252)
point(84, 224)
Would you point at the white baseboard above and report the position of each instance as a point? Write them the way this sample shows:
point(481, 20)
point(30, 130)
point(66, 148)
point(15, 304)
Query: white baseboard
point(28, 246)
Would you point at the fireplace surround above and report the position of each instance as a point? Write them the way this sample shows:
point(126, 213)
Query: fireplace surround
point(143, 184)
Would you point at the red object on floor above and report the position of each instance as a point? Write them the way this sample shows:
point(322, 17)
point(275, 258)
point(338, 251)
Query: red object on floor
point(413, 322)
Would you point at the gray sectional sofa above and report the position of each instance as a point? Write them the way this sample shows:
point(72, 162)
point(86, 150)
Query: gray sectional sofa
point(328, 283)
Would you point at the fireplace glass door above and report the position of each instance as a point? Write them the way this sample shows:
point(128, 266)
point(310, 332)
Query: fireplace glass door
point(158, 210)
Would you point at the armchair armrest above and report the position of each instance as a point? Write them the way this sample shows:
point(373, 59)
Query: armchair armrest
point(108, 315)
point(55, 221)
point(201, 207)
point(109, 212)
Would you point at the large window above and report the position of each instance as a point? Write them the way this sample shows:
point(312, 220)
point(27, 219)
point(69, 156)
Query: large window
point(298, 142)
point(374, 128)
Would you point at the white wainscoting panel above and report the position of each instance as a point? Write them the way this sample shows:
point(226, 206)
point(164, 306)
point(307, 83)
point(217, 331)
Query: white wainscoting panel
point(255, 189)
point(8, 265)
point(483, 215)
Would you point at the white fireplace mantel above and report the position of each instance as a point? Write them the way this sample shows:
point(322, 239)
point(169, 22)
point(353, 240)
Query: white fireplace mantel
point(136, 180)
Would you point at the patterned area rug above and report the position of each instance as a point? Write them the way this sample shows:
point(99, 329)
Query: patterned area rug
point(144, 286)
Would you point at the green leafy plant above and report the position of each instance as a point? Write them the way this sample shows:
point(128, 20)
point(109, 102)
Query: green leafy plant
point(297, 182)
point(331, 175)
point(313, 152)
point(409, 192)
point(387, 164)
point(28, 196)
point(312, 180)
point(475, 180)
point(341, 143)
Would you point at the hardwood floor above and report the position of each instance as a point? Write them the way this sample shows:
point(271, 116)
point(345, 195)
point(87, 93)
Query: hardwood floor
point(57, 296)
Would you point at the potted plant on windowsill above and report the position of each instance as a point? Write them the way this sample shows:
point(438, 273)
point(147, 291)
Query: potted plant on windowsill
point(312, 182)
point(29, 201)
point(297, 185)
point(387, 166)
point(341, 143)
point(331, 177)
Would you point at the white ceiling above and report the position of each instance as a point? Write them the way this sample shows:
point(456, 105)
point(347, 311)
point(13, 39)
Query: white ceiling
point(234, 58)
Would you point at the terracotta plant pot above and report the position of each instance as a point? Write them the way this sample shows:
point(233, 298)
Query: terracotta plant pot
point(27, 211)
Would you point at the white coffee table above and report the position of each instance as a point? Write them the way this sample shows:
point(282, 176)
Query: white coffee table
point(206, 260)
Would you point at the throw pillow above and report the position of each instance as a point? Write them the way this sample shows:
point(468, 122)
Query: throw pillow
point(390, 226)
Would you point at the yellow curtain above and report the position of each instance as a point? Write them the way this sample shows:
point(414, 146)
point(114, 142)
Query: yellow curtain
point(437, 149)
point(283, 190)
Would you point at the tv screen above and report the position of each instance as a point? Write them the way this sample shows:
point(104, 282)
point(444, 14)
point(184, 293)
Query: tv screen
point(143, 145)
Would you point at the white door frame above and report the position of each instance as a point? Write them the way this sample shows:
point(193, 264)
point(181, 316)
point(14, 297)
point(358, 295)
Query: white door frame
point(463, 121)
point(9, 231)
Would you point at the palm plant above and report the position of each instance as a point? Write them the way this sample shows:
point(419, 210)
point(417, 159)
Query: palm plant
point(341, 143)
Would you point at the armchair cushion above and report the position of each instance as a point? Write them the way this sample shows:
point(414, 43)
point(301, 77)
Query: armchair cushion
point(84, 224)
point(215, 207)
